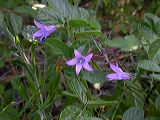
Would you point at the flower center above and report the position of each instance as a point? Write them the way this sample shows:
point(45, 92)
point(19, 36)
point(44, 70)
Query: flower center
point(81, 60)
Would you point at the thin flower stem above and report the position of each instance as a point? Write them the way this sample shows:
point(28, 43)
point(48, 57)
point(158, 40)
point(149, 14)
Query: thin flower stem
point(41, 113)
point(96, 65)
point(96, 45)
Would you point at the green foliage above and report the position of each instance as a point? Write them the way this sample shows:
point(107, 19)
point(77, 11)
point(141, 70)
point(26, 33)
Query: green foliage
point(16, 23)
point(157, 103)
point(128, 43)
point(133, 113)
point(76, 113)
point(149, 65)
point(40, 85)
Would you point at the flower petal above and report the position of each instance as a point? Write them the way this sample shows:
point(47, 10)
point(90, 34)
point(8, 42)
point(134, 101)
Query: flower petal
point(87, 66)
point(39, 25)
point(88, 57)
point(50, 28)
point(39, 33)
point(41, 39)
point(125, 77)
point(116, 68)
point(77, 54)
point(112, 76)
point(72, 62)
point(78, 68)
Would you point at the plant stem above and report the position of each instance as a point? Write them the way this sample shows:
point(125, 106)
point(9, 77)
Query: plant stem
point(41, 113)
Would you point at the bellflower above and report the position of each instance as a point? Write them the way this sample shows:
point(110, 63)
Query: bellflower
point(118, 75)
point(80, 61)
point(44, 30)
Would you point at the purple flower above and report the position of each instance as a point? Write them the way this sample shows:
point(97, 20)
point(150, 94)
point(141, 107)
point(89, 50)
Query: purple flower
point(80, 61)
point(118, 75)
point(44, 30)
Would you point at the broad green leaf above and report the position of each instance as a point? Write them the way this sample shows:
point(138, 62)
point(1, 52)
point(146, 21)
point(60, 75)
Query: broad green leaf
point(25, 9)
point(149, 18)
point(157, 103)
point(90, 118)
point(4, 116)
point(78, 89)
point(2, 18)
point(133, 113)
point(94, 25)
point(95, 76)
point(73, 113)
point(128, 43)
point(16, 23)
point(156, 76)
point(68, 94)
point(156, 58)
point(153, 49)
point(11, 112)
point(62, 9)
point(152, 22)
point(149, 65)
point(78, 23)
point(89, 33)
point(101, 102)
point(58, 47)
point(147, 33)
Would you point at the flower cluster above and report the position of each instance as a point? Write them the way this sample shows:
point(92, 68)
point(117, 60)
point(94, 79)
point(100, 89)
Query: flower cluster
point(79, 60)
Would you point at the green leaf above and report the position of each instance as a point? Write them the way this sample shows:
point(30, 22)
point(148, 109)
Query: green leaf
point(61, 6)
point(157, 103)
point(90, 118)
point(12, 112)
point(89, 33)
point(133, 113)
point(78, 89)
point(156, 58)
point(149, 18)
point(95, 76)
point(62, 9)
point(76, 113)
point(58, 47)
point(4, 116)
point(147, 33)
point(25, 9)
point(149, 65)
point(128, 43)
point(78, 23)
point(68, 94)
point(156, 76)
point(101, 102)
point(153, 49)
point(2, 18)
point(72, 113)
point(16, 23)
